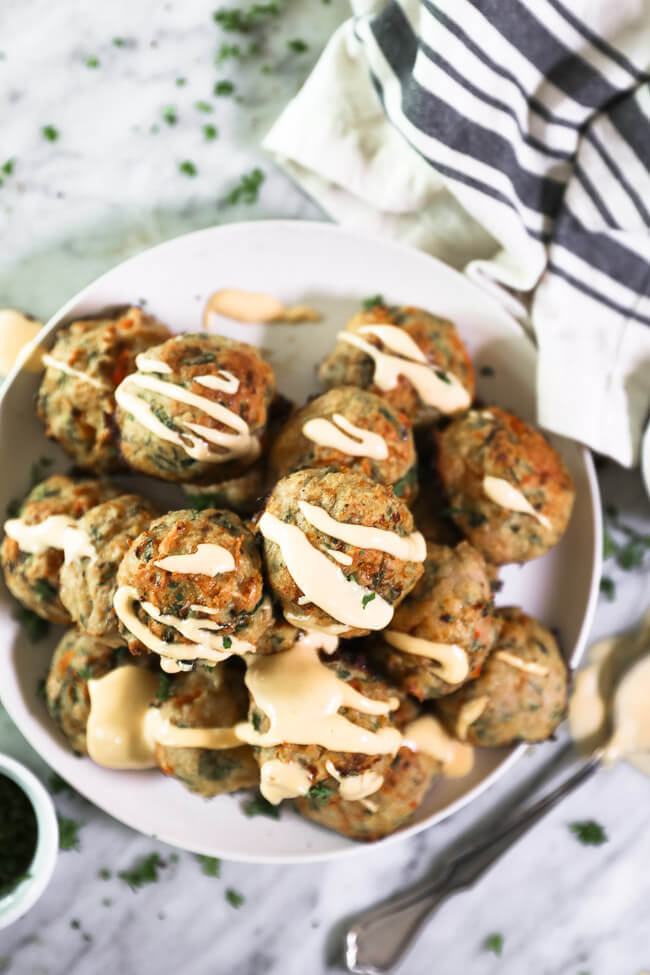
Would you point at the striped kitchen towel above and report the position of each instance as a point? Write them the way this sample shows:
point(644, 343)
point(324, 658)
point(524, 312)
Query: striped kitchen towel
point(510, 138)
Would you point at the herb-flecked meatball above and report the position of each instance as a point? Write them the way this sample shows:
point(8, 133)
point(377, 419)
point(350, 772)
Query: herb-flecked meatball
point(208, 698)
point(241, 494)
point(76, 400)
point(491, 449)
point(407, 780)
point(34, 577)
point(452, 605)
point(521, 692)
point(318, 434)
point(190, 566)
point(196, 409)
point(77, 659)
point(351, 498)
point(351, 668)
point(437, 339)
point(88, 582)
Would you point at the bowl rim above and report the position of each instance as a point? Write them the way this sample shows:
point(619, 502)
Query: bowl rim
point(19, 900)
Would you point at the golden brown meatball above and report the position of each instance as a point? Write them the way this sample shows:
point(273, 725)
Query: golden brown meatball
point(451, 605)
point(406, 781)
point(34, 577)
point(329, 432)
point(76, 400)
point(440, 346)
point(77, 658)
point(194, 581)
point(196, 409)
point(488, 452)
point(348, 584)
point(521, 693)
point(214, 698)
point(88, 581)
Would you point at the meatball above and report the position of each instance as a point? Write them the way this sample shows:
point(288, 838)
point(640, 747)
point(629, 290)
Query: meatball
point(324, 581)
point(208, 698)
point(451, 605)
point(88, 360)
point(197, 405)
point(521, 693)
point(242, 494)
point(508, 489)
point(322, 767)
point(33, 576)
point(77, 658)
point(89, 581)
point(191, 588)
point(330, 432)
point(406, 781)
point(448, 384)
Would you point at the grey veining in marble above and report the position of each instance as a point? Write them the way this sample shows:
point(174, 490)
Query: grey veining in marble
point(108, 187)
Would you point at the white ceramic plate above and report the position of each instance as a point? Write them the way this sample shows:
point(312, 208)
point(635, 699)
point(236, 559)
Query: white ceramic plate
point(333, 270)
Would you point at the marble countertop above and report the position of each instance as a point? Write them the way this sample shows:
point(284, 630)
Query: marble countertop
point(108, 186)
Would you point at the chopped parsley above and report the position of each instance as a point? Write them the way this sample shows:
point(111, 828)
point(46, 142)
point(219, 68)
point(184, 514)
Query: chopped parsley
point(243, 21)
point(104, 874)
point(608, 587)
point(203, 106)
point(187, 167)
point(8, 167)
point(107, 901)
point(75, 924)
point(629, 550)
point(210, 132)
point(234, 898)
point(369, 303)
point(45, 590)
point(442, 376)
point(247, 190)
point(259, 806)
point(34, 625)
point(50, 133)
point(297, 45)
point(38, 470)
point(58, 785)
point(181, 82)
point(486, 371)
point(68, 833)
point(493, 943)
point(119, 42)
point(170, 115)
point(210, 866)
point(589, 832)
point(164, 688)
point(92, 61)
point(223, 88)
point(367, 599)
point(320, 794)
point(609, 546)
point(228, 51)
point(227, 643)
point(144, 871)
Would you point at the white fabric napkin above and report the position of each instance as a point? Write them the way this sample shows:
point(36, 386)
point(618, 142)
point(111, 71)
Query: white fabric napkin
point(511, 139)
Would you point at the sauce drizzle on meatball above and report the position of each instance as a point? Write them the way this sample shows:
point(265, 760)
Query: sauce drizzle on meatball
point(345, 436)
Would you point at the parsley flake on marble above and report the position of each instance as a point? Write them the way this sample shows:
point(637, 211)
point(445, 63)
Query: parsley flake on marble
point(187, 167)
point(234, 898)
point(92, 61)
point(68, 833)
point(493, 943)
point(50, 133)
point(297, 45)
point(210, 866)
point(210, 132)
point(247, 190)
point(608, 587)
point(144, 871)
point(170, 114)
point(224, 88)
point(203, 106)
point(589, 832)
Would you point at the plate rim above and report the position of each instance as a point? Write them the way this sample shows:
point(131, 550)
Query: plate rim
point(355, 848)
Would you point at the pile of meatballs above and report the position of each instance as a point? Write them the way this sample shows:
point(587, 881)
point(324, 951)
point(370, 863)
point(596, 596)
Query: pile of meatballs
point(429, 478)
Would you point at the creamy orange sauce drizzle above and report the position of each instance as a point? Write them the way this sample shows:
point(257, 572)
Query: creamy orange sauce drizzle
point(323, 581)
point(208, 560)
point(301, 698)
point(470, 712)
point(409, 548)
point(340, 434)
point(164, 732)
point(434, 386)
point(353, 788)
point(116, 734)
point(251, 307)
point(452, 659)
point(342, 557)
point(327, 634)
point(506, 495)
point(77, 545)
point(51, 363)
point(427, 735)
point(35, 539)
point(527, 665)
point(196, 438)
point(17, 332)
point(205, 642)
point(283, 780)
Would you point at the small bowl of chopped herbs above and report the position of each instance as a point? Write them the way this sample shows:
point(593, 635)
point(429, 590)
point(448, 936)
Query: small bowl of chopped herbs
point(28, 840)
